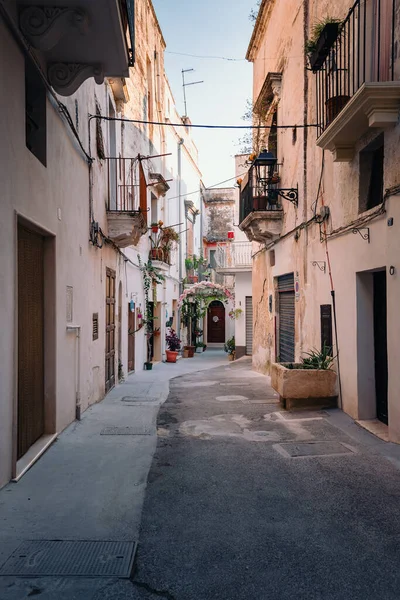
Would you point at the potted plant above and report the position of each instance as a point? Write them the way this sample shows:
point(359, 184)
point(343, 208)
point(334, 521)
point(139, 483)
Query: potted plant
point(154, 227)
point(173, 346)
point(199, 347)
point(188, 264)
point(157, 332)
point(230, 348)
point(312, 383)
point(324, 33)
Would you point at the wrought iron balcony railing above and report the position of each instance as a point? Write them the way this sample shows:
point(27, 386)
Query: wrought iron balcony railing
point(252, 200)
point(123, 189)
point(365, 51)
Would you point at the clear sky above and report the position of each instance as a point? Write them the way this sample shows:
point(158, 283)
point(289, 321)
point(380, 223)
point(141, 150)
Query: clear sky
point(218, 28)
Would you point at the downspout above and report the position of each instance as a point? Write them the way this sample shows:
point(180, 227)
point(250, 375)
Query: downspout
point(180, 142)
point(77, 330)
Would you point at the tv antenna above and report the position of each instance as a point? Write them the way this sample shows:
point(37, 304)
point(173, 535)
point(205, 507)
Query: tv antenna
point(184, 85)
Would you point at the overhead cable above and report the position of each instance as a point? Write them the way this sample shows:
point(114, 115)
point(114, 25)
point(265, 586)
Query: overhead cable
point(169, 124)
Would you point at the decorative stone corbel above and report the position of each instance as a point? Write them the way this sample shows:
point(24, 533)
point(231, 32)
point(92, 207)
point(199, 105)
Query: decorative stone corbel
point(67, 77)
point(45, 26)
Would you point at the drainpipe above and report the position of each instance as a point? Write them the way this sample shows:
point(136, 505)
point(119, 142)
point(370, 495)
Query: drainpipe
point(180, 142)
point(77, 330)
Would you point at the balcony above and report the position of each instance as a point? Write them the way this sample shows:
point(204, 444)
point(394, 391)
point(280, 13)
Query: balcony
point(234, 257)
point(126, 203)
point(261, 214)
point(358, 87)
point(77, 40)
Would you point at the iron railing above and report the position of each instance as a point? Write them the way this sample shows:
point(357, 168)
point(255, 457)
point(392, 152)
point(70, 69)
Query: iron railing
point(127, 9)
point(123, 190)
point(255, 199)
point(235, 255)
point(365, 50)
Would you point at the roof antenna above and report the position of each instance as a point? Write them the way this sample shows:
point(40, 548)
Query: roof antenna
point(184, 85)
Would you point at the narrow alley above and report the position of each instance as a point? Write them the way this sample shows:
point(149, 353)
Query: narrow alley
point(241, 500)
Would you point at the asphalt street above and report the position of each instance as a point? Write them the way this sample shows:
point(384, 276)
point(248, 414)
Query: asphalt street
point(245, 501)
point(228, 496)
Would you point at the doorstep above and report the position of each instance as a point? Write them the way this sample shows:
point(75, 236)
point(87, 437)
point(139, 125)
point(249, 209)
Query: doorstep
point(376, 427)
point(34, 453)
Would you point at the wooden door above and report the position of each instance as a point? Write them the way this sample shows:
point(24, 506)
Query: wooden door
point(110, 329)
point(216, 323)
point(30, 339)
point(131, 338)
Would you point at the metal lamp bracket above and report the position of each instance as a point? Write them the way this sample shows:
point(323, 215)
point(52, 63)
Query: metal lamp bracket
point(291, 194)
point(365, 236)
point(321, 264)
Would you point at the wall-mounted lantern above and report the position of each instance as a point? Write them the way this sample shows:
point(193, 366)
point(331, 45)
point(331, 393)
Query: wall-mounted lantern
point(265, 178)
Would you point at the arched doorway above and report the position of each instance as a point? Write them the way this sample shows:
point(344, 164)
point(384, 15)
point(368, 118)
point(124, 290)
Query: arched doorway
point(216, 323)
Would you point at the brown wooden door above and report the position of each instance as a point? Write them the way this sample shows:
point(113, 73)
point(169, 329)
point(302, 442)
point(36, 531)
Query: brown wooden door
point(131, 338)
point(110, 329)
point(216, 323)
point(30, 339)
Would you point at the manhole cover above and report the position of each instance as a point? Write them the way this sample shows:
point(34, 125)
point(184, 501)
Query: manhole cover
point(45, 558)
point(136, 430)
point(313, 449)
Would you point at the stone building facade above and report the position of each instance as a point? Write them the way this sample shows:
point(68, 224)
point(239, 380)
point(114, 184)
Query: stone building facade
point(325, 263)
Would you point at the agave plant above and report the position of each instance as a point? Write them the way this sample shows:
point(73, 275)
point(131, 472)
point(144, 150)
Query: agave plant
point(321, 360)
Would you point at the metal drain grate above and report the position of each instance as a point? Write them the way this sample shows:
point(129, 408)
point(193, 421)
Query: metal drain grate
point(136, 430)
point(313, 449)
point(46, 558)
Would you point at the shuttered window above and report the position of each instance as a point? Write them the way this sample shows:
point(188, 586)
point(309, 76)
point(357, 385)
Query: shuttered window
point(249, 325)
point(286, 318)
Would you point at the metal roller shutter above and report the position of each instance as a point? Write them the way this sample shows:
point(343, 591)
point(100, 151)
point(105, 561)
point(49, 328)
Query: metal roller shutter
point(249, 325)
point(286, 318)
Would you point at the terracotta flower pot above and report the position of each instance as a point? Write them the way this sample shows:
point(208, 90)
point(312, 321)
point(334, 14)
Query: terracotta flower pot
point(185, 353)
point(171, 356)
point(154, 229)
point(191, 350)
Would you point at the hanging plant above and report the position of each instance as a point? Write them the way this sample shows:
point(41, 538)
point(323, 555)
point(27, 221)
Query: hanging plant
point(151, 278)
point(235, 313)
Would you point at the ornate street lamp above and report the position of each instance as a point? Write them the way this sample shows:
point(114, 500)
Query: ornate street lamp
point(265, 179)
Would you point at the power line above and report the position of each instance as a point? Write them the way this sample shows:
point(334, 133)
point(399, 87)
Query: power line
point(208, 187)
point(209, 56)
point(168, 124)
point(228, 58)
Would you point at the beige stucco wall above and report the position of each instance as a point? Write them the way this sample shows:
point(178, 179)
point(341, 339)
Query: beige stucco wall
point(55, 199)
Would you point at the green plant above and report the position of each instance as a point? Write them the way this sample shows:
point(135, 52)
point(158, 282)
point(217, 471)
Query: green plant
point(200, 344)
point(230, 346)
point(173, 342)
point(151, 277)
point(189, 263)
point(316, 30)
point(321, 360)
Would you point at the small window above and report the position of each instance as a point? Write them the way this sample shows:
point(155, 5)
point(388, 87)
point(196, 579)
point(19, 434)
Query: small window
point(371, 175)
point(326, 326)
point(35, 113)
point(70, 300)
point(95, 326)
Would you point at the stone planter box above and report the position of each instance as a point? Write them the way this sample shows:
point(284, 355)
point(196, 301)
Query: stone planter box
point(304, 388)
